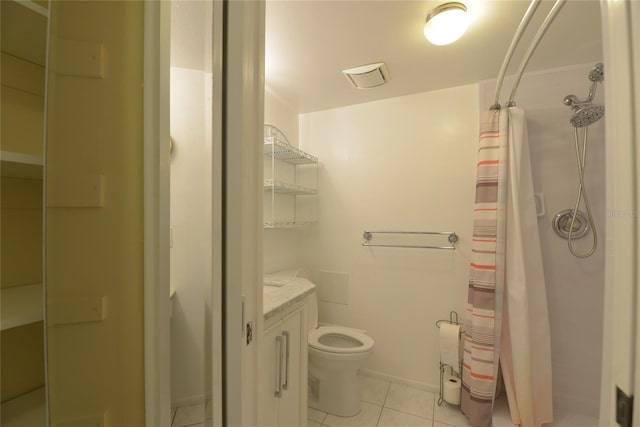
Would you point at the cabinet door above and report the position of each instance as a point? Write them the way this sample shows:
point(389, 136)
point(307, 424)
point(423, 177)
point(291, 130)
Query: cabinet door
point(269, 402)
point(293, 403)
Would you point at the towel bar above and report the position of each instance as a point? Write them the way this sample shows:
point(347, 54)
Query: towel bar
point(451, 236)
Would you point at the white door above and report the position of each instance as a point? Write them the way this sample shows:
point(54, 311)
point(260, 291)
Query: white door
point(243, 119)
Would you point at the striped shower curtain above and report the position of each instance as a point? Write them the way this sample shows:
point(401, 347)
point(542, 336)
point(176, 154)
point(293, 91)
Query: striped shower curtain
point(506, 324)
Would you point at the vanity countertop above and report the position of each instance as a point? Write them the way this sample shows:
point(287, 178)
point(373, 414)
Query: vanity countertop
point(280, 292)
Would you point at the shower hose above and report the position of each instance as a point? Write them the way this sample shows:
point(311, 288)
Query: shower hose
point(582, 194)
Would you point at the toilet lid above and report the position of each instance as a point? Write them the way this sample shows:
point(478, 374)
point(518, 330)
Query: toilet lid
point(339, 339)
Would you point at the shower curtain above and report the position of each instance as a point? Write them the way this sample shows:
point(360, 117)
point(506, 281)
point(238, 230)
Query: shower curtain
point(507, 322)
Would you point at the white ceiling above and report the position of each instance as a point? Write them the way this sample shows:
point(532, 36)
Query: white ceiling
point(310, 42)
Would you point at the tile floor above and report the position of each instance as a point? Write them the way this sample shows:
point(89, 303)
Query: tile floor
point(199, 415)
point(386, 404)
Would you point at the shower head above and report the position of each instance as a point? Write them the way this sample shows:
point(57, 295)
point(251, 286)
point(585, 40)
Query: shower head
point(596, 75)
point(586, 114)
point(597, 72)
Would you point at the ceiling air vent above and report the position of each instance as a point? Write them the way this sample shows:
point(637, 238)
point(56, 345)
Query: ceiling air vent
point(368, 76)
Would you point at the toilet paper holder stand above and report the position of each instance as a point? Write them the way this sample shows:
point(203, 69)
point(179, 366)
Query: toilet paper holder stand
point(453, 319)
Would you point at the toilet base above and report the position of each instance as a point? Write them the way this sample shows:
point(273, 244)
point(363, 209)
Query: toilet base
point(338, 393)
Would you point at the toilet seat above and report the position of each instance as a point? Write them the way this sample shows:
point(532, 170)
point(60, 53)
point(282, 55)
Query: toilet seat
point(340, 340)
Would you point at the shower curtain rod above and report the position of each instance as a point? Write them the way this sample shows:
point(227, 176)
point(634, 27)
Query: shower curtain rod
point(532, 47)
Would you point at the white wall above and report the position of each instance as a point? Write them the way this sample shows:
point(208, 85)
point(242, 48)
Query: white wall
point(281, 246)
point(191, 201)
point(191, 230)
point(574, 286)
point(405, 163)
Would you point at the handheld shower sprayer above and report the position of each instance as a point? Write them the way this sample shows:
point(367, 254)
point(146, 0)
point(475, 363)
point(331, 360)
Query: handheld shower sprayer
point(584, 112)
point(596, 75)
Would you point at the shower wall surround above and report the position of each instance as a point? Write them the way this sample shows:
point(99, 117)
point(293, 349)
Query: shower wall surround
point(575, 287)
point(406, 163)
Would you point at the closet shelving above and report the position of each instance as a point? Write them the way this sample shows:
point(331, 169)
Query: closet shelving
point(21, 305)
point(35, 7)
point(18, 165)
point(290, 182)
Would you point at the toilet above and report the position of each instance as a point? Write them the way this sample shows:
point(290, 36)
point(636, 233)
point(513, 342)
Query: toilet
point(335, 355)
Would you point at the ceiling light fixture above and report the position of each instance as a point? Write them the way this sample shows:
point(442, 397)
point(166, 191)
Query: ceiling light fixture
point(446, 23)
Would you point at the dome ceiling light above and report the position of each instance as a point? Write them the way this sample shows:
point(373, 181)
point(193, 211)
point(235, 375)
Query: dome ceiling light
point(446, 23)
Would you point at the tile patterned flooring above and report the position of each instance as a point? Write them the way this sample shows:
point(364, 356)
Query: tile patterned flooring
point(192, 416)
point(386, 404)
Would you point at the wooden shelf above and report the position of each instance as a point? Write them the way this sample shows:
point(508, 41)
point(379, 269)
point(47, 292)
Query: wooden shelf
point(28, 410)
point(33, 6)
point(21, 305)
point(18, 165)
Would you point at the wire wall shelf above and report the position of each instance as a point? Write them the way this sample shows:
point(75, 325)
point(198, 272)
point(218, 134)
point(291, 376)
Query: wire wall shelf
point(277, 145)
point(288, 224)
point(290, 182)
point(287, 188)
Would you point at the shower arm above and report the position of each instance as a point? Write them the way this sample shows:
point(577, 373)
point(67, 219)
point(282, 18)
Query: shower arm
point(592, 91)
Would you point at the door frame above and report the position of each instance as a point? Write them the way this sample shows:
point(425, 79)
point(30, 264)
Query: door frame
point(242, 127)
point(621, 337)
point(238, 116)
point(157, 361)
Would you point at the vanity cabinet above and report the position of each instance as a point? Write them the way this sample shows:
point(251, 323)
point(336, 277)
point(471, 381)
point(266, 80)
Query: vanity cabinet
point(290, 182)
point(283, 393)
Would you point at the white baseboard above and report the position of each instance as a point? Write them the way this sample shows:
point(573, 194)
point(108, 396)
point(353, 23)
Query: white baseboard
point(399, 380)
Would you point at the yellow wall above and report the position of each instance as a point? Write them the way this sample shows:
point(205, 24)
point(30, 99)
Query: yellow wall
point(43, 3)
point(22, 360)
point(21, 226)
point(95, 129)
point(28, 44)
point(22, 100)
point(22, 104)
point(22, 349)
